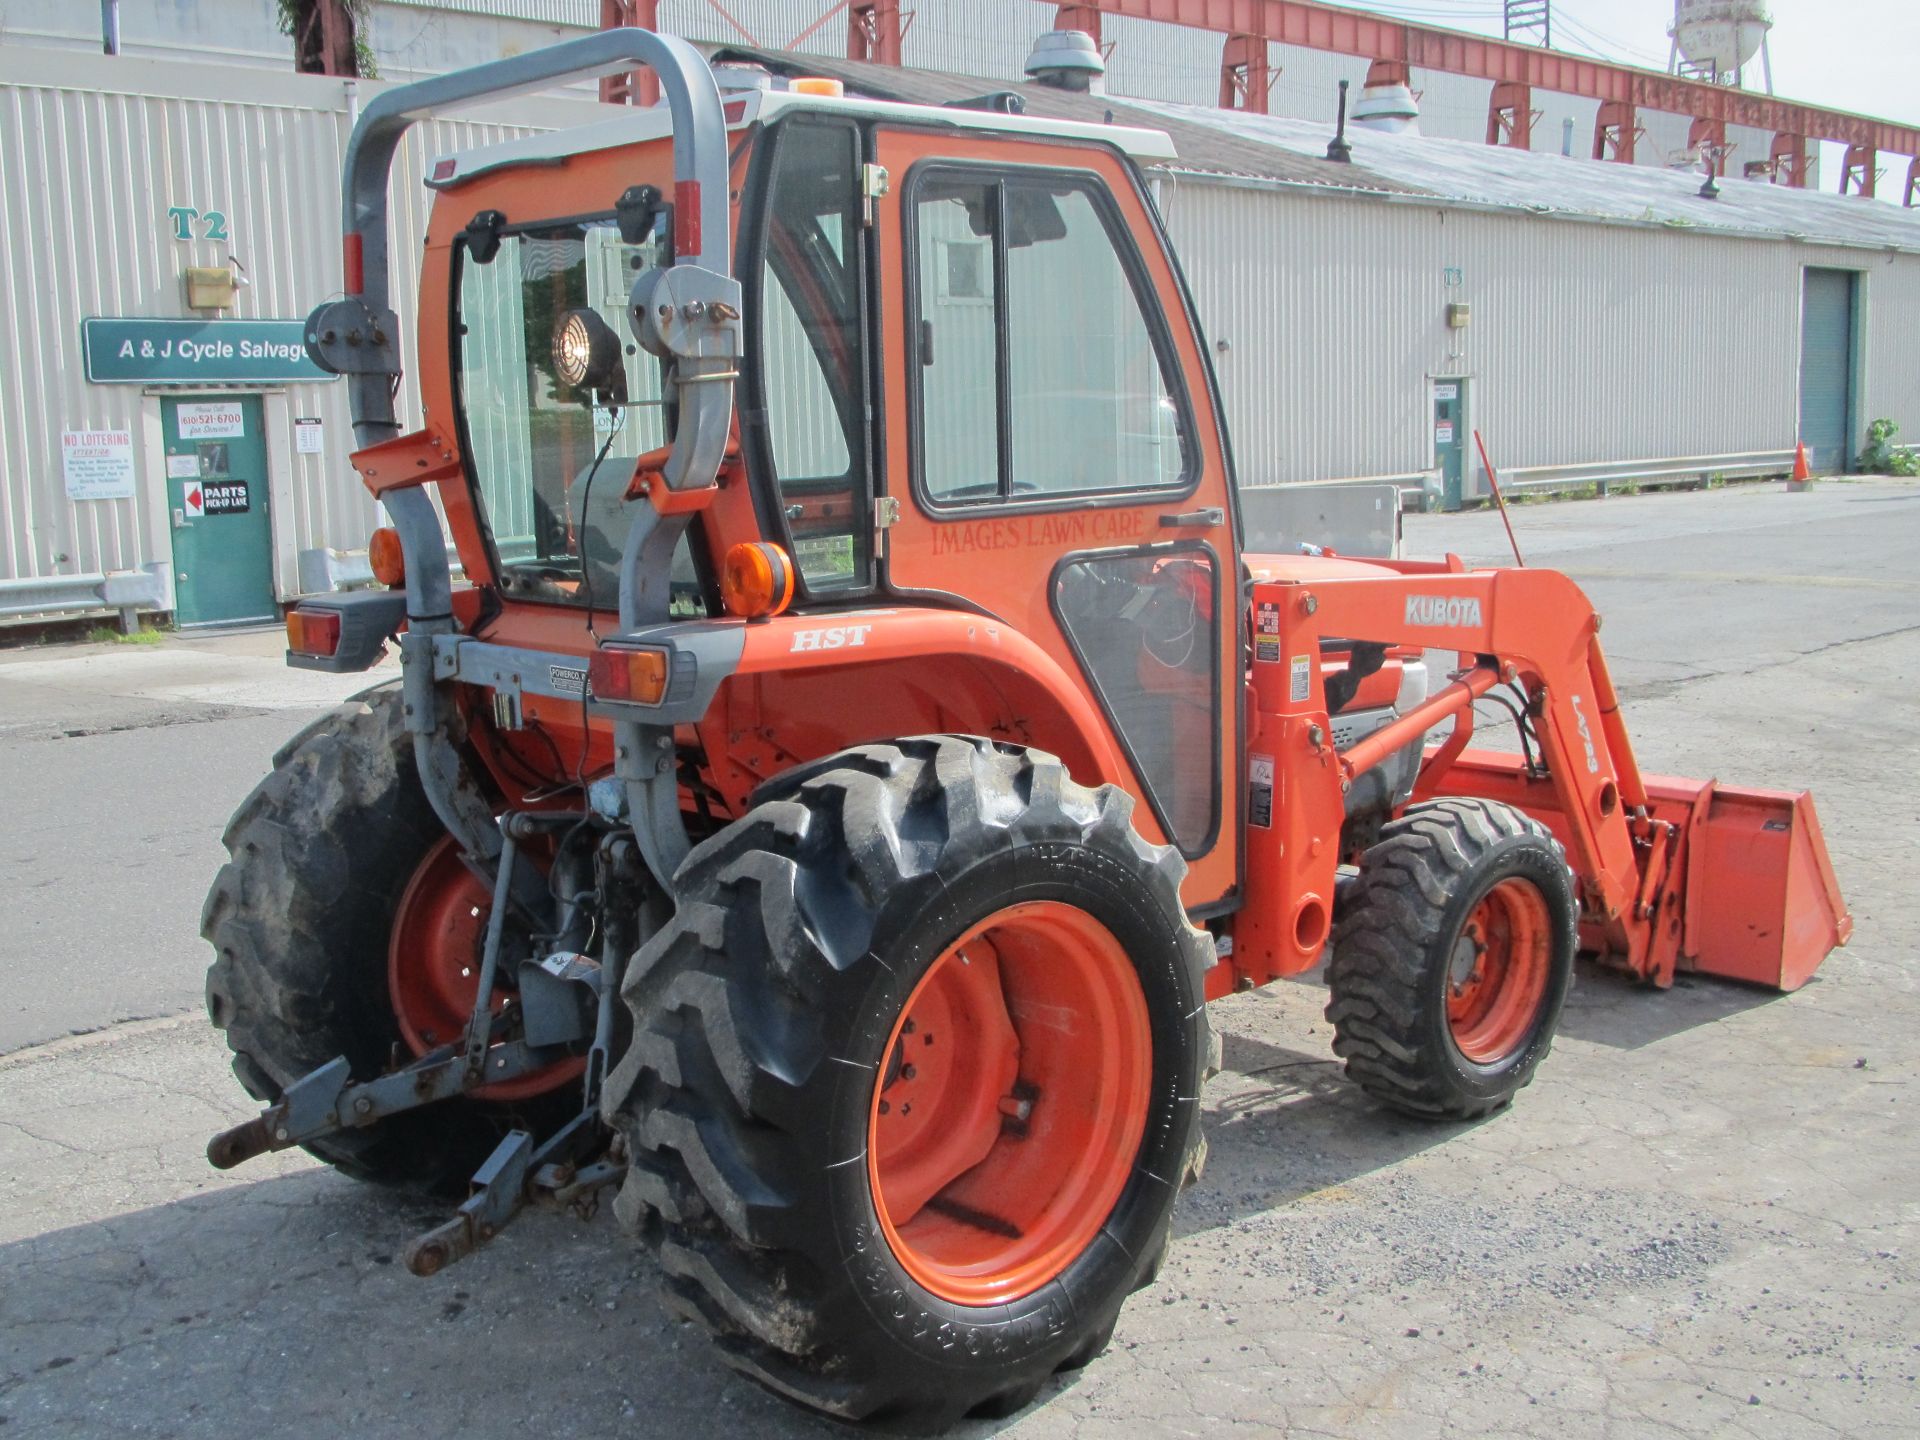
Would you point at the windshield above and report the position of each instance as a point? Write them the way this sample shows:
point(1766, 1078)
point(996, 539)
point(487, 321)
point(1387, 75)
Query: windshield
point(558, 400)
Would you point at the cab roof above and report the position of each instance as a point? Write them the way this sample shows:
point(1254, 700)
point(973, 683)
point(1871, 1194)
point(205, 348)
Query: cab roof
point(748, 107)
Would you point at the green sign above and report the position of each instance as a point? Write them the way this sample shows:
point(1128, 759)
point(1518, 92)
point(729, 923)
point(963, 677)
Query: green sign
point(196, 352)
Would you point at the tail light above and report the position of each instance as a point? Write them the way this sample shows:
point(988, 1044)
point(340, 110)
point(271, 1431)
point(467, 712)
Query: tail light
point(637, 675)
point(313, 632)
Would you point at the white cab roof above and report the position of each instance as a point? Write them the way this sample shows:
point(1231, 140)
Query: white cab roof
point(744, 108)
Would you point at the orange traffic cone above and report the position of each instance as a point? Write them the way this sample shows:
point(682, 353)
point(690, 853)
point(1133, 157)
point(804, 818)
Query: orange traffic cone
point(1802, 475)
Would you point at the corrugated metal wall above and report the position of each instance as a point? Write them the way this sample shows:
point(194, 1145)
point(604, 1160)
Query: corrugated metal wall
point(92, 154)
point(1586, 343)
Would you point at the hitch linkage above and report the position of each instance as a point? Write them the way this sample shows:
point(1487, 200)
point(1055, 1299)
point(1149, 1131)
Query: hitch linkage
point(565, 1001)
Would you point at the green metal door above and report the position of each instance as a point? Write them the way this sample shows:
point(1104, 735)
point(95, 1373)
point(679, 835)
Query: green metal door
point(1826, 368)
point(217, 499)
point(1449, 440)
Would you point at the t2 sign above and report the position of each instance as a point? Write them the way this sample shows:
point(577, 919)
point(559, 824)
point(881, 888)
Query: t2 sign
point(212, 224)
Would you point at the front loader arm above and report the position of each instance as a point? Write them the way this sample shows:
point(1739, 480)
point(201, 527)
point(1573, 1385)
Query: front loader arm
point(1672, 872)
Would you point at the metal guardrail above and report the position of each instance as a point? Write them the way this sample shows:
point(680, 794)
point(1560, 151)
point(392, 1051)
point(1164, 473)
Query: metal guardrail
point(128, 591)
point(1607, 475)
point(325, 572)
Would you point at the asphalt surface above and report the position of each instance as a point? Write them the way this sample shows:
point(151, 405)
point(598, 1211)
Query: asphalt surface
point(1699, 1220)
point(121, 764)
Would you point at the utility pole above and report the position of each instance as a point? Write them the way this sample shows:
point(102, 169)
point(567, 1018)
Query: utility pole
point(1530, 18)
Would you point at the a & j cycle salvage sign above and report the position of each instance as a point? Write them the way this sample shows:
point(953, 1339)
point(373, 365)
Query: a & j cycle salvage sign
point(196, 352)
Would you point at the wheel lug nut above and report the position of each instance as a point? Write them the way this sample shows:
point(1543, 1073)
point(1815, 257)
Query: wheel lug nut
point(884, 1107)
point(907, 1072)
point(1015, 1108)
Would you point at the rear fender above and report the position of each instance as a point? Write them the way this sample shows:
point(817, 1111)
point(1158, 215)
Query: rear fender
point(808, 685)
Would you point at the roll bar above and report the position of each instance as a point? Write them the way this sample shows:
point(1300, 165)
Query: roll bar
point(356, 336)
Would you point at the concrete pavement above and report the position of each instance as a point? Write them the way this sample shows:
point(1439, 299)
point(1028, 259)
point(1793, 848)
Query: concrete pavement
point(1699, 1220)
point(121, 764)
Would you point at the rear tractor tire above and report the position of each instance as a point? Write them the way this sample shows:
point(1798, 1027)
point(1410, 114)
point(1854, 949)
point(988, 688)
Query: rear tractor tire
point(342, 924)
point(915, 1078)
point(1452, 955)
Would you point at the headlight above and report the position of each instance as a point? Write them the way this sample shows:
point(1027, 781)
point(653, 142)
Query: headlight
point(586, 352)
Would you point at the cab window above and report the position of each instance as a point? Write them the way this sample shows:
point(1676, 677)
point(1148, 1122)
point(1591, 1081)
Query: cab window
point(807, 342)
point(1042, 370)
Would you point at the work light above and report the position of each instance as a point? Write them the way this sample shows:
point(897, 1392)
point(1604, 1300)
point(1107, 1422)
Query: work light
point(586, 352)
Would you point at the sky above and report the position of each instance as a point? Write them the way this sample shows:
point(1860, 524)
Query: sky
point(1857, 55)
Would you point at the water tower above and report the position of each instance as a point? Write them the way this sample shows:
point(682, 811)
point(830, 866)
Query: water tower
point(1713, 40)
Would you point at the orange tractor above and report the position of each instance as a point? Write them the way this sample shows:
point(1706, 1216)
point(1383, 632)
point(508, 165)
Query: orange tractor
point(861, 746)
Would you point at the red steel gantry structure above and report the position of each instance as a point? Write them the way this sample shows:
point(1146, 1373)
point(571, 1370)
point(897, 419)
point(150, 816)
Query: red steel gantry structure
point(875, 29)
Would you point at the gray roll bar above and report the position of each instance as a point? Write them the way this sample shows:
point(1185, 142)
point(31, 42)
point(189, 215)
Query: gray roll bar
point(356, 336)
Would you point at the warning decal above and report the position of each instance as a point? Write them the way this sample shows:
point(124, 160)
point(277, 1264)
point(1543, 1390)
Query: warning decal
point(1300, 678)
point(1260, 791)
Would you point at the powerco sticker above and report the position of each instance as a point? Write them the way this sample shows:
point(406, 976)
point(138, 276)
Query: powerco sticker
point(566, 680)
point(1300, 678)
point(1260, 791)
point(1444, 611)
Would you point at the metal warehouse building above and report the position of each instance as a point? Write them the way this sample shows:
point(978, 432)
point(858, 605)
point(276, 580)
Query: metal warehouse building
point(1595, 321)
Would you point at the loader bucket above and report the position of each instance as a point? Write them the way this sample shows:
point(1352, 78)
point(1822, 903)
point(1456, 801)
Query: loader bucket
point(1762, 904)
point(1757, 898)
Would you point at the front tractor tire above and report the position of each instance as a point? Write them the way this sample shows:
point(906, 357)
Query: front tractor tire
point(342, 924)
point(915, 1079)
point(1452, 955)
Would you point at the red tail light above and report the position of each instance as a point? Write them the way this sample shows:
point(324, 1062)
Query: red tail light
point(639, 675)
point(313, 632)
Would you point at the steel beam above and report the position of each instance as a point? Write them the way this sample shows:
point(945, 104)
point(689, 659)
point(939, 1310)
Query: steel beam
point(1861, 170)
point(1510, 115)
point(630, 87)
point(1616, 131)
point(1788, 159)
point(1085, 18)
point(1245, 77)
point(1315, 26)
point(874, 31)
point(1709, 136)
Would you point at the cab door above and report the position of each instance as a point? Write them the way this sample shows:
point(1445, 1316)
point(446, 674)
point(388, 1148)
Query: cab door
point(1060, 461)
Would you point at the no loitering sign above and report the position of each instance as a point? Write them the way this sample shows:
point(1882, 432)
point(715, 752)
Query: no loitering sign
point(97, 464)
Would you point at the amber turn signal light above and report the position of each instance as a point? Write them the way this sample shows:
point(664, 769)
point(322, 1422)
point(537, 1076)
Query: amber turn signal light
point(384, 554)
point(313, 632)
point(637, 675)
point(756, 580)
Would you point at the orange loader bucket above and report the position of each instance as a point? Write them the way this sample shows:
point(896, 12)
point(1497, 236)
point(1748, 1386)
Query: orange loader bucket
point(1762, 904)
point(1748, 891)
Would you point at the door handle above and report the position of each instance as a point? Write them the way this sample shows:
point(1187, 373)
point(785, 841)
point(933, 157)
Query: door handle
point(1206, 519)
point(179, 517)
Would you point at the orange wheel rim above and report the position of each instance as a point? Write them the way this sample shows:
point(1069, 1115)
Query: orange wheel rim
point(433, 965)
point(1497, 975)
point(1011, 1103)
